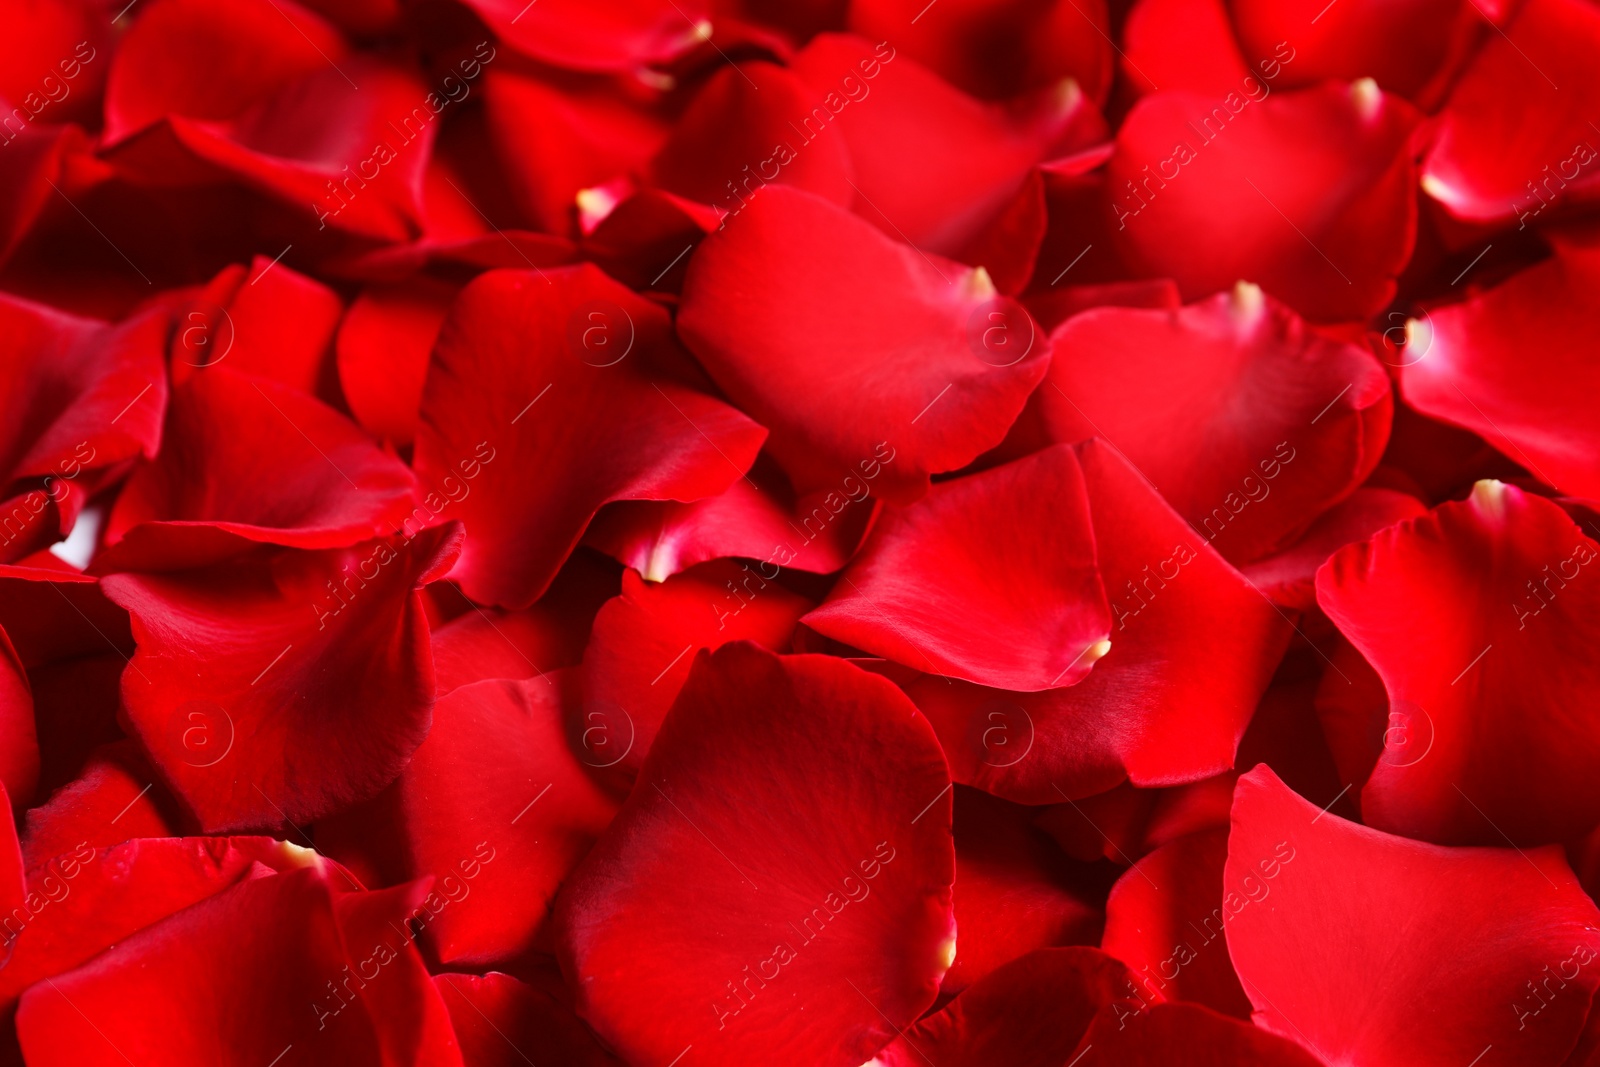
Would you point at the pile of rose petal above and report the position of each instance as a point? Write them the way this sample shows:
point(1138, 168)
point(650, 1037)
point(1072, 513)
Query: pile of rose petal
point(699, 533)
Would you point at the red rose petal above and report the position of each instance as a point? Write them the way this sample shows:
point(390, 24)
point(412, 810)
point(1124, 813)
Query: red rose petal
point(502, 1022)
point(644, 641)
point(384, 342)
point(81, 397)
point(113, 801)
point(265, 693)
point(239, 971)
point(498, 835)
point(615, 425)
point(1511, 143)
point(772, 823)
point(1309, 194)
point(1476, 616)
point(1127, 822)
point(1248, 422)
point(967, 583)
point(186, 57)
point(619, 37)
point(13, 874)
point(1475, 371)
point(86, 900)
point(741, 132)
point(1015, 891)
point(898, 377)
point(267, 321)
point(59, 40)
point(1323, 966)
point(305, 477)
point(1165, 920)
point(930, 165)
point(1192, 648)
point(758, 517)
point(994, 50)
point(1289, 576)
point(1182, 44)
point(1187, 1034)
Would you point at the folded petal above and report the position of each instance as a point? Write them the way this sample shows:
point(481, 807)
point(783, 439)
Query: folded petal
point(1288, 577)
point(617, 424)
point(818, 834)
point(1249, 422)
point(384, 341)
point(1314, 904)
point(1191, 649)
point(285, 685)
point(973, 582)
point(1477, 616)
point(1514, 138)
point(1474, 370)
point(863, 357)
point(304, 476)
point(930, 165)
point(644, 641)
point(1308, 193)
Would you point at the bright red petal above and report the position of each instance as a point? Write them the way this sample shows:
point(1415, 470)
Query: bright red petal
point(818, 834)
point(1478, 617)
point(1336, 932)
point(616, 423)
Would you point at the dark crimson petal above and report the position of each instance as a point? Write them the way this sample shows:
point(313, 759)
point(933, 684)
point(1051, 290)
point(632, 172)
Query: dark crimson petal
point(1165, 919)
point(758, 517)
point(1515, 136)
point(1182, 44)
point(384, 342)
point(502, 1022)
point(1304, 42)
point(187, 57)
point(80, 397)
point(971, 582)
point(1188, 1034)
point(83, 901)
point(741, 132)
point(614, 427)
point(1289, 576)
point(817, 833)
point(267, 320)
point(1032, 1012)
point(19, 743)
point(488, 643)
point(1479, 616)
point(1191, 649)
point(76, 700)
point(117, 798)
point(261, 969)
point(494, 806)
point(305, 476)
point(1127, 822)
point(288, 684)
point(863, 357)
point(53, 615)
point(645, 640)
point(1015, 890)
point(1250, 423)
point(618, 36)
point(1323, 965)
point(1308, 193)
point(998, 51)
point(930, 165)
point(1475, 369)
